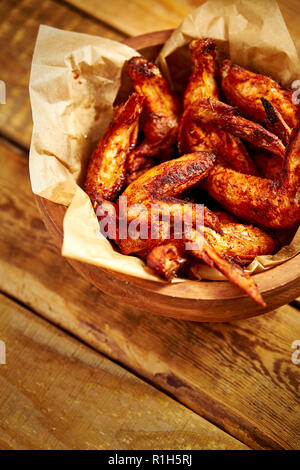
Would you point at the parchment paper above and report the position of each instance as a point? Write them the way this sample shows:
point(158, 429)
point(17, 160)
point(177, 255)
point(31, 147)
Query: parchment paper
point(75, 79)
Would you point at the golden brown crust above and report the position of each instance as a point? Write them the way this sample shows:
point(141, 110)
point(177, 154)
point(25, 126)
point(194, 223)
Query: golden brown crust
point(242, 243)
point(245, 89)
point(161, 107)
point(198, 137)
point(170, 178)
point(107, 165)
point(270, 203)
point(268, 165)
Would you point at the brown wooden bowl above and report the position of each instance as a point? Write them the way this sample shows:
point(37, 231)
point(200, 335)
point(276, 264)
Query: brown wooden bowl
point(217, 301)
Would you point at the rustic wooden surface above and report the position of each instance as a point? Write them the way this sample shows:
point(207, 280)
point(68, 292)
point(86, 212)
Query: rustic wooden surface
point(57, 393)
point(238, 376)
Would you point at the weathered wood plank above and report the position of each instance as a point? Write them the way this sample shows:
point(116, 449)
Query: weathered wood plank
point(19, 23)
point(239, 376)
point(141, 16)
point(138, 16)
point(57, 393)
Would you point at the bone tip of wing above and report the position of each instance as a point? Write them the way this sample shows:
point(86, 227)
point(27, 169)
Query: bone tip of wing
point(203, 46)
point(257, 297)
point(138, 67)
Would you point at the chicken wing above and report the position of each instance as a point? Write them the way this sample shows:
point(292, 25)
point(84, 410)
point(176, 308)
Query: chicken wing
point(151, 196)
point(230, 151)
point(270, 203)
point(238, 242)
point(207, 253)
point(193, 136)
point(161, 108)
point(107, 165)
point(224, 117)
point(245, 89)
point(170, 178)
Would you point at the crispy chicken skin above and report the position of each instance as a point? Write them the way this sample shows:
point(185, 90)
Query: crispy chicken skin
point(224, 117)
point(167, 259)
point(107, 165)
point(245, 89)
point(161, 108)
point(241, 243)
point(270, 203)
point(193, 136)
point(170, 178)
point(203, 80)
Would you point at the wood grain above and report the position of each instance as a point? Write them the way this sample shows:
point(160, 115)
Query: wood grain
point(57, 393)
point(19, 23)
point(239, 376)
point(142, 16)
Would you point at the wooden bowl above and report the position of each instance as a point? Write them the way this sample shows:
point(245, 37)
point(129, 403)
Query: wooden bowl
point(191, 300)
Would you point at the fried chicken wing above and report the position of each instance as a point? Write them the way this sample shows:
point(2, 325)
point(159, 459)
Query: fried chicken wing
point(107, 165)
point(245, 89)
point(224, 117)
point(161, 108)
point(167, 259)
point(207, 253)
point(270, 203)
point(164, 220)
point(238, 242)
point(193, 136)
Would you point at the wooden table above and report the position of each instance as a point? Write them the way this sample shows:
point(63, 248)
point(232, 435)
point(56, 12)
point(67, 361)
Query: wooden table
point(84, 371)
